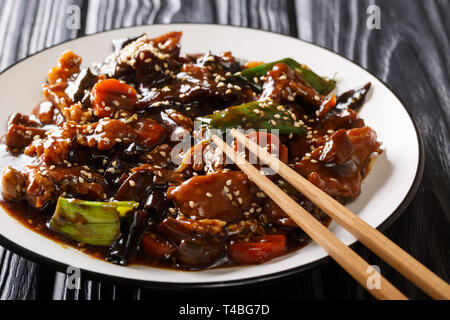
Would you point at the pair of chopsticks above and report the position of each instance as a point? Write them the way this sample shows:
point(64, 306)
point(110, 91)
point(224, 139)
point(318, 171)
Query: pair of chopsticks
point(343, 255)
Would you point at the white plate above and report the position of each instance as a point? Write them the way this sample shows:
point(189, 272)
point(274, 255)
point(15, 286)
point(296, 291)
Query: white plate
point(385, 192)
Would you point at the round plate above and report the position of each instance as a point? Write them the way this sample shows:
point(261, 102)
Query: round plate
point(386, 191)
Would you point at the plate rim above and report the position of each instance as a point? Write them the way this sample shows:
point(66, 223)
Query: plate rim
point(60, 266)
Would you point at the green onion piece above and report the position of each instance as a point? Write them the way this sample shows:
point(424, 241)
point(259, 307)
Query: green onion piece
point(90, 222)
point(320, 84)
point(254, 115)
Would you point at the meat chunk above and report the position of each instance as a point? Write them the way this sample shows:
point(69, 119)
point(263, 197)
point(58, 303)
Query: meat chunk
point(47, 113)
point(55, 146)
point(68, 65)
point(223, 195)
point(203, 157)
point(21, 131)
point(283, 84)
point(59, 78)
point(42, 185)
point(339, 166)
point(102, 135)
point(13, 184)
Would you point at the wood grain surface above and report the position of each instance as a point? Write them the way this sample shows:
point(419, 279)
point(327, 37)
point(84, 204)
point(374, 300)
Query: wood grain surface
point(410, 53)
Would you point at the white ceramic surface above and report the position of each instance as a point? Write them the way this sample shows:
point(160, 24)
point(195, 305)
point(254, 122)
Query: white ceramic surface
point(383, 190)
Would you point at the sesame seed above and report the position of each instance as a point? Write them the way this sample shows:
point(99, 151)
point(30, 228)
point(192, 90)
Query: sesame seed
point(172, 210)
point(81, 180)
point(132, 183)
point(192, 204)
point(228, 183)
point(229, 196)
point(209, 195)
point(226, 189)
point(313, 161)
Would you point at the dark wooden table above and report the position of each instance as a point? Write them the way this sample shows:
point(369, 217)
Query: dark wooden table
point(411, 53)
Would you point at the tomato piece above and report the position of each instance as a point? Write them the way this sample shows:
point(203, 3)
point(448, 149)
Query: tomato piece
point(268, 141)
point(156, 248)
point(262, 249)
point(149, 131)
point(110, 95)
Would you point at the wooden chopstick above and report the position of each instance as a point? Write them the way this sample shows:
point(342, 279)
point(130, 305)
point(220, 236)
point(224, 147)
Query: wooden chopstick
point(369, 236)
point(343, 255)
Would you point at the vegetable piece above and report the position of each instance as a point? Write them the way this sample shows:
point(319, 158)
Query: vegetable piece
point(262, 249)
point(157, 248)
point(84, 81)
point(131, 229)
point(111, 94)
point(256, 115)
point(90, 222)
point(134, 225)
point(321, 85)
point(353, 99)
point(199, 253)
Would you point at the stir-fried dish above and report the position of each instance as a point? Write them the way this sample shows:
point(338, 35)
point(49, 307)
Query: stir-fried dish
point(98, 163)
